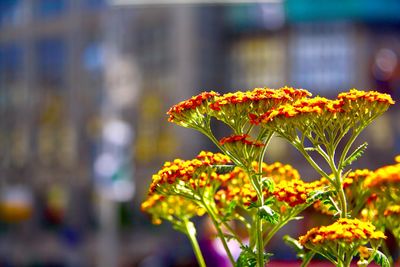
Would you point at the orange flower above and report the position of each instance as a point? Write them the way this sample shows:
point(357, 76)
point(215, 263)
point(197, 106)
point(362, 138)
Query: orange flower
point(392, 210)
point(172, 208)
point(316, 105)
point(278, 171)
point(383, 176)
point(183, 170)
point(242, 138)
point(235, 109)
point(343, 230)
point(189, 110)
point(296, 192)
point(370, 96)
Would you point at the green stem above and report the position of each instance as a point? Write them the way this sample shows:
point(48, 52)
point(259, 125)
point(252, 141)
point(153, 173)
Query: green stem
point(191, 234)
point(313, 163)
point(260, 242)
point(219, 232)
point(259, 189)
point(343, 202)
point(347, 147)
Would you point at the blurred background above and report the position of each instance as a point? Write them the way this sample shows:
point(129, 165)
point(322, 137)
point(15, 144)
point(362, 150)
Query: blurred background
point(85, 84)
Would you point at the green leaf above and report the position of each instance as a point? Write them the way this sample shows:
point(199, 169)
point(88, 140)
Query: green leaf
point(269, 201)
point(268, 183)
point(247, 258)
point(253, 205)
point(307, 258)
point(355, 155)
point(300, 250)
point(381, 259)
point(318, 195)
point(222, 169)
point(295, 244)
point(267, 213)
point(231, 207)
point(310, 149)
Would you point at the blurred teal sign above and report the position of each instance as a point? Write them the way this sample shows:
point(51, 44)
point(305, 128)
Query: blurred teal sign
point(363, 10)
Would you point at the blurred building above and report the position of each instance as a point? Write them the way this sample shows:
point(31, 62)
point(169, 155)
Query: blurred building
point(68, 68)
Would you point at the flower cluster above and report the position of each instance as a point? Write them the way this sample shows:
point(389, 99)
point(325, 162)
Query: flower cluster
point(343, 230)
point(241, 148)
point(172, 208)
point(241, 138)
point(314, 116)
point(384, 176)
point(235, 109)
point(183, 171)
point(296, 192)
point(237, 186)
point(190, 112)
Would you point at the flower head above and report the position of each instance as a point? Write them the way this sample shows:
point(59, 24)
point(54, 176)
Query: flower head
point(278, 171)
point(364, 106)
point(242, 148)
point(190, 112)
point(183, 171)
point(172, 208)
point(342, 231)
point(384, 176)
point(235, 109)
point(296, 192)
point(237, 186)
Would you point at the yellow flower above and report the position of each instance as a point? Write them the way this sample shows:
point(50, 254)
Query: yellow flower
point(343, 230)
point(172, 208)
point(296, 192)
point(190, 113)
point(237, 109)
point(384, 176)
point(182, 171)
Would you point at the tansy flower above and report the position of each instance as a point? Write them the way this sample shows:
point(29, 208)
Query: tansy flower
point(343, 230)
point(181, 172)
point(237, 185)
point(277, 171)
point(392, 210)
point(172, 208)
point(296, 192)
point(364, 106)
point(397, 159)
point(235, 109)
point(315, 117)
point(384, 176)
point(190, 113)
point(242, 148)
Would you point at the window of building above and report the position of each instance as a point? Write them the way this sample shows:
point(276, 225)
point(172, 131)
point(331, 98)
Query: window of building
point(51, 60)
point(50, 8)
point(10, 12)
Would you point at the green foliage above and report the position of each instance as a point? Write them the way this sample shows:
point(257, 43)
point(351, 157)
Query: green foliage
point(357, 153)
point(222, 169)
point(301, 253)
point(268, 183)
point(230, 209)
point(248, 258)
point(381, 258)
point(267, 213)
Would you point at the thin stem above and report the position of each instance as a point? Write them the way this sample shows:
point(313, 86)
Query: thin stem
point(260, 242)
point(259, 189)
point(348, 146)
point(191, 234)
point(313, 163)
point(219, 232)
